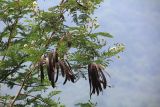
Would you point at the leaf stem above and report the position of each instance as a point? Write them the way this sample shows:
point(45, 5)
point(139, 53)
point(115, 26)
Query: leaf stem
point(22, 85)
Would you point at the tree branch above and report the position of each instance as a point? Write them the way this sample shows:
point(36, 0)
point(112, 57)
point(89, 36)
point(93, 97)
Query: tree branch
point(27, 76)
point(22, 85)
point(50, 39)
point(12, 28)
point(36, 98)
point(12, 71)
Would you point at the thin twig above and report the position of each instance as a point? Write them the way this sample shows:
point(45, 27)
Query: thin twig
point(22, 85)
point(35, 98)
point(50, 39)
point(12, 71)
point(12, 29)
point(61, 2)
point(27, 76)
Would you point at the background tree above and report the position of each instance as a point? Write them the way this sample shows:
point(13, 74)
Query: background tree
point(35, 43)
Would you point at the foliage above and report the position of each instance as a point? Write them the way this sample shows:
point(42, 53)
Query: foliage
point(87, 104)
point(29, 33)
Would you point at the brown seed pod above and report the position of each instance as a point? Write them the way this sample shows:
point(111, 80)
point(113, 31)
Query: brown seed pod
point(97, 78)
point(66, 71)
point(69, 43)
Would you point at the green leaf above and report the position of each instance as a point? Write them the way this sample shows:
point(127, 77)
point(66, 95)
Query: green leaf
point(39, 88)
point(21, 97)
point(53, 93)
point(104, 34)
point(87, 104)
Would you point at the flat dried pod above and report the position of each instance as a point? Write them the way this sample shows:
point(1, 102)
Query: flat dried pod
point(50, 69)
point(40, 65)
point(57, 71)
point(66, 71)
point(62, 67)
point(53, 65)
point(56, 56)
point(41, 71)
point(102, 76)
point(70, 73)
point(97, 78)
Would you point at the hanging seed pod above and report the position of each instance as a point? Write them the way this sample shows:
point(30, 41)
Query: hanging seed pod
point(50, 70)
point(66, 71)
point(69, 43)
point(53, 65)
point(40, 64)
point(41, 71)
point(97, 78)
point(56, 65)
point(57, 70)
point(53, 60)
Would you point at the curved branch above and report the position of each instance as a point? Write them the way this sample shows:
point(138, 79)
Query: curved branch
point(35, 98)
point(22, 85)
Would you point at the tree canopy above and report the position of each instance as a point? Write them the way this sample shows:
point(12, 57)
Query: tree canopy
point(37, 46)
